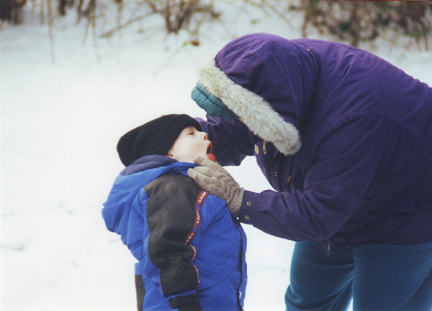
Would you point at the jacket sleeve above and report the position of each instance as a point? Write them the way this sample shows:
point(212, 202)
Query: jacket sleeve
point(170, 218)
point(347, 165)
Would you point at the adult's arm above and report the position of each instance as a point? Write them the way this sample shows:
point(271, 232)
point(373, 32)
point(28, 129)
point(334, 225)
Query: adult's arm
point(347, 166)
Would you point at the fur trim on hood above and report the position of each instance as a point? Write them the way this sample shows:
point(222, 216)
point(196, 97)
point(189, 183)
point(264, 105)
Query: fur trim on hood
point(254, 111)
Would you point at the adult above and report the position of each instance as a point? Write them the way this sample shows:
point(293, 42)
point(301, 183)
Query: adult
point(345, 139)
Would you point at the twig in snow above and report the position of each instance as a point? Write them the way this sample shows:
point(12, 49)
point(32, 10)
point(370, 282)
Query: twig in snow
point(120, 27)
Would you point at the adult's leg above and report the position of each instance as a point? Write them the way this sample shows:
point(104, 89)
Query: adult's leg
point(319, 281)
point(389, 277)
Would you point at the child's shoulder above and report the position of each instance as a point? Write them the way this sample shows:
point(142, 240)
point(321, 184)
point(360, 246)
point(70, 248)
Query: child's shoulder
point(173, 185)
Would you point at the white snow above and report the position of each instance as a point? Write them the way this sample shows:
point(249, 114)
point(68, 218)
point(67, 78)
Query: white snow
point(64, 104)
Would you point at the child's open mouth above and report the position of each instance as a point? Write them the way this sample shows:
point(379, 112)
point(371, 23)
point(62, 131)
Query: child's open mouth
point(210, 154)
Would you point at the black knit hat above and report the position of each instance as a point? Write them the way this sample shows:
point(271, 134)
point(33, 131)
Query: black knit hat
point(153, 138)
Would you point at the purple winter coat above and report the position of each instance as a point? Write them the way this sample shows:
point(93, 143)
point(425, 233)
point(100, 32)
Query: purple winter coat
point(344, 137)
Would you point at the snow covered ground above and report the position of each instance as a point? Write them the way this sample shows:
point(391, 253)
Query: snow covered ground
point(64, 104)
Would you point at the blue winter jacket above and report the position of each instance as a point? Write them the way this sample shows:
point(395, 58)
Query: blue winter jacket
point(190, 252)
point(344, 137)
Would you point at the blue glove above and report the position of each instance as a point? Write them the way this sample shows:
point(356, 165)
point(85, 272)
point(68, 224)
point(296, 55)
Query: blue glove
point(211, 104)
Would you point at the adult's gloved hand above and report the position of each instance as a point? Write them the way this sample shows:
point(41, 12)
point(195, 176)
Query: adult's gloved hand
point(214, 179)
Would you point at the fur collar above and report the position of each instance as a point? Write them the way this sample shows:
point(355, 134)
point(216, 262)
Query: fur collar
point(254, 111)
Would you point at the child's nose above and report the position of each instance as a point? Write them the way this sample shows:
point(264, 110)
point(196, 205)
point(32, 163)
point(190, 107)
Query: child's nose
point(205, 136)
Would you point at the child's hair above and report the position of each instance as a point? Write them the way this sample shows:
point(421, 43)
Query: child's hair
point(153, 138)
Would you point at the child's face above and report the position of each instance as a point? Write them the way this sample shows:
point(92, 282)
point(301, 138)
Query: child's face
point(190, 144)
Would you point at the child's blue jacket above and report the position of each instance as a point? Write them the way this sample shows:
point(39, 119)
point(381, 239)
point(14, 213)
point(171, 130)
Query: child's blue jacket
point(188, 247)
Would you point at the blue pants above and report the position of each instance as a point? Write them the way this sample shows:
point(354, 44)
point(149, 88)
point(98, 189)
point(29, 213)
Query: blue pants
point(377, 277)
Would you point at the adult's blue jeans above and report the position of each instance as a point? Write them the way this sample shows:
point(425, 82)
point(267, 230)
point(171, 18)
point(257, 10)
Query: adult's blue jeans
point(376, 277)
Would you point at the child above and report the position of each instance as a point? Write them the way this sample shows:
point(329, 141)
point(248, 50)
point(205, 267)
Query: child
point(190, 252)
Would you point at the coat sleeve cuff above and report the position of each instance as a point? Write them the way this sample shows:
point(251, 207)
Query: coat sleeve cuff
point(249, 207)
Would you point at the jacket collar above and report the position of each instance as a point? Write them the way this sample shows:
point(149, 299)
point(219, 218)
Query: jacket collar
point(155, 161)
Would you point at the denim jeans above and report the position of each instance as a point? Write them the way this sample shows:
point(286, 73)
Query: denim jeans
point(376, 277)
